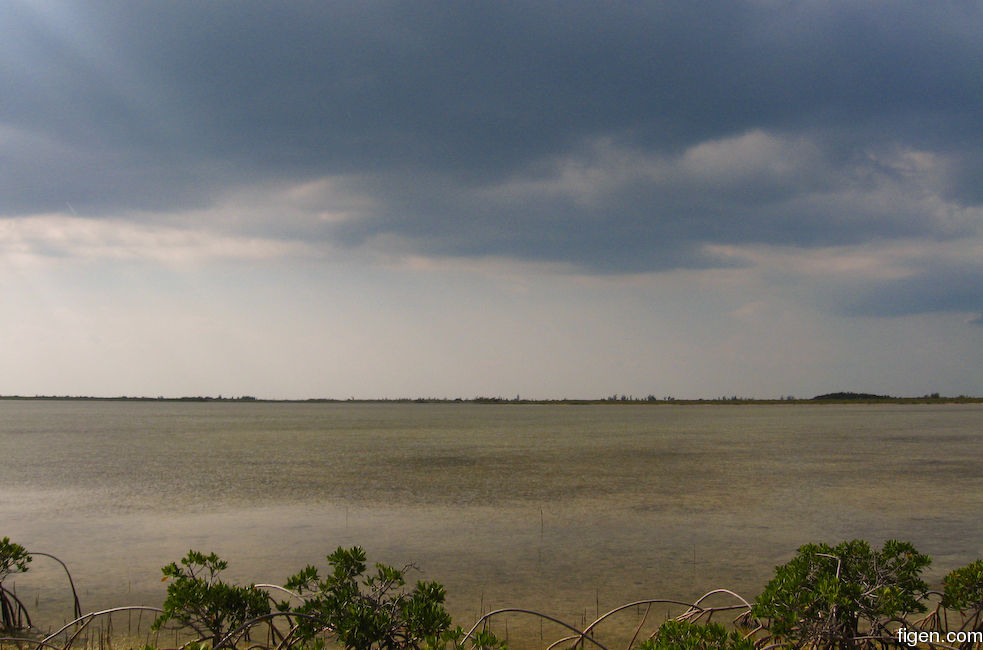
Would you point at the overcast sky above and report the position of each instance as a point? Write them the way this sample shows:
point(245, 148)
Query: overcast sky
point(452, 199)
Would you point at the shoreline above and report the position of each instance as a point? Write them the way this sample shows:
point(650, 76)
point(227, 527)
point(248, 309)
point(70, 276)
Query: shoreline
point(961, 399)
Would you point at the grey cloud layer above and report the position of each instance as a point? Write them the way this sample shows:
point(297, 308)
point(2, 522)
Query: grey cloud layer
point(612, 136)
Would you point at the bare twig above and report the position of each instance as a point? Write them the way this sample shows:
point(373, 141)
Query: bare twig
point(582, 635)
point(77, 612)
point(638, 629)
point(91, 615)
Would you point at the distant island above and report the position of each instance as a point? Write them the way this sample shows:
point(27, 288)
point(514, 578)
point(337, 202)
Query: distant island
point(859, 396)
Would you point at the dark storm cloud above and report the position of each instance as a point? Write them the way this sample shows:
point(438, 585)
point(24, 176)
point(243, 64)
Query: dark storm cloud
point(934, 288)
point(465, 125)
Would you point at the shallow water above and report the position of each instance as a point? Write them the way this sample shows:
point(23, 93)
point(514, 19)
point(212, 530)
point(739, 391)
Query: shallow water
point(565, 509)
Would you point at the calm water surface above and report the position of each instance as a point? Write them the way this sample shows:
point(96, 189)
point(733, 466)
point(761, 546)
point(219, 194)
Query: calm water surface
point(564, 509)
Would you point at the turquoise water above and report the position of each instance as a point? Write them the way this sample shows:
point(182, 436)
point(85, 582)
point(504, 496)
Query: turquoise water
point(565, 509)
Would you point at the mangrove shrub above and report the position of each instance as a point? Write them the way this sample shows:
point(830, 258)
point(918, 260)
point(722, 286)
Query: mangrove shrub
point(826, 596)
point(197, 598)
point(684, 635)
point(366, 611)
point(14, 558)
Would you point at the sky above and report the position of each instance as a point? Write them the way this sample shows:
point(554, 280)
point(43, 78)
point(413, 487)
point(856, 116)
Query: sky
point(363, 199)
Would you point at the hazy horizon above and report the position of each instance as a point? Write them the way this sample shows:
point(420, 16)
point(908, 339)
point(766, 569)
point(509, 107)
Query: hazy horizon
point(836, 396)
